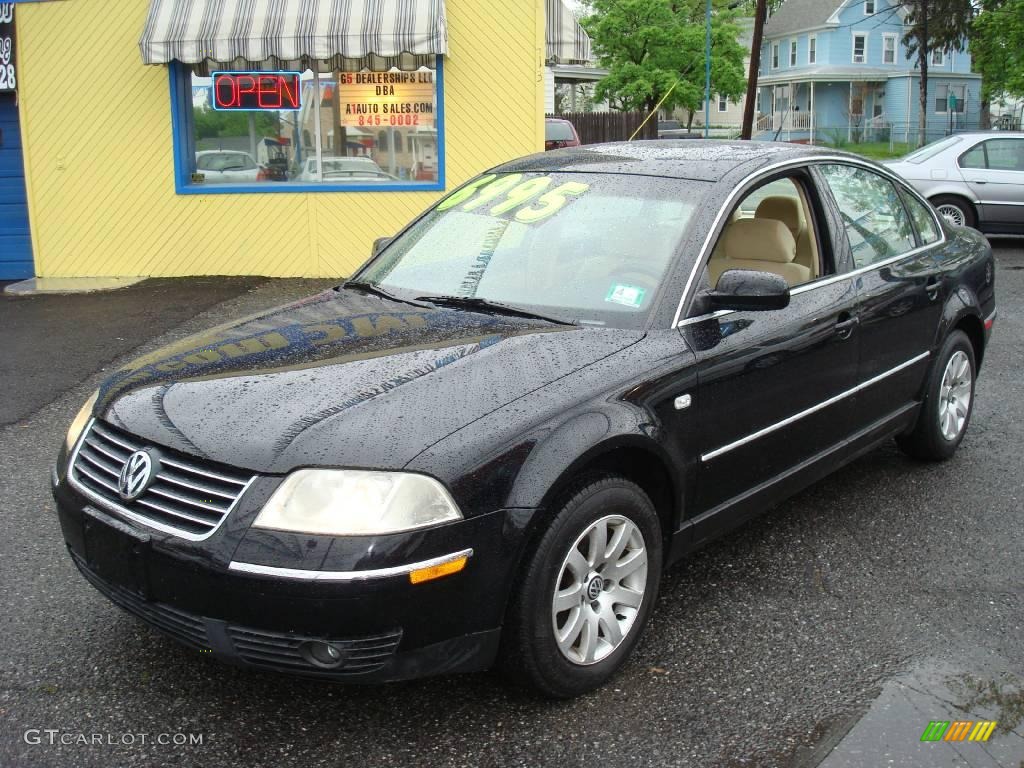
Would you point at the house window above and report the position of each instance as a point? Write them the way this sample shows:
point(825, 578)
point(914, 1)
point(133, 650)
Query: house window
point(775, 55)
point(812, 49)
point(860, 47)
point(723, 104)
point(869, 7)
point(942, 97)
point(307, 131)
point(938, 57)
point(889, 49)
point(792, 53)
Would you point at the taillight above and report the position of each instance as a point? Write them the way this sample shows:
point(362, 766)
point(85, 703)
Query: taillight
point(263, 175)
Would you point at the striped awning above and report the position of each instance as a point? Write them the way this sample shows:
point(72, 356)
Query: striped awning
point(293, 34)
point(567, 43)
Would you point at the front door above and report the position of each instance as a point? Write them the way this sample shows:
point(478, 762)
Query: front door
point(994, 170)
point(15, 242)
point(771, 383)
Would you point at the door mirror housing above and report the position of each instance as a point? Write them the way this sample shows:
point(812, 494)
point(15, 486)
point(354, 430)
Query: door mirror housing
point(750, 291)
point(380, 244)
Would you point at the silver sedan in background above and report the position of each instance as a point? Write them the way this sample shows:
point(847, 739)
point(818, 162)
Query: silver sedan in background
point(972, 179)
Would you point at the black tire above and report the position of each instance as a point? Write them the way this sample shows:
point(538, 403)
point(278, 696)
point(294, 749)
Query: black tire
point(530, 655)
point(927, 440)
point(970, 218)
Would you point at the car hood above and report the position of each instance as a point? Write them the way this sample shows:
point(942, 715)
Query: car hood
point(341, 379)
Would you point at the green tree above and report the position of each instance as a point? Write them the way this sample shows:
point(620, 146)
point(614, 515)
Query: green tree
point(648, 45)
point(932, 24)
point(997, 48)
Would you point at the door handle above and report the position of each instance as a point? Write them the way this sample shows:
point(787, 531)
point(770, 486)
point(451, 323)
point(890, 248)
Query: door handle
point(978, 181)
point(932, 288)
point(846, 324)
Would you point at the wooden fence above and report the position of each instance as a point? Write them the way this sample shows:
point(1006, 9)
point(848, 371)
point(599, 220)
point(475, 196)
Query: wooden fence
point(597, 127)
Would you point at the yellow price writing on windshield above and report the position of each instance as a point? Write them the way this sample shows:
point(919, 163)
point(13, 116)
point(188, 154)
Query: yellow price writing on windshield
point(511, 192)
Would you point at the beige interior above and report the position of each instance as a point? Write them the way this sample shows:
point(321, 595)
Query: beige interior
point(789, 210)
point(765, 245)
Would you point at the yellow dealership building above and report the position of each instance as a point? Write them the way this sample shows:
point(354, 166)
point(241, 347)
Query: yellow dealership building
point(265, 137)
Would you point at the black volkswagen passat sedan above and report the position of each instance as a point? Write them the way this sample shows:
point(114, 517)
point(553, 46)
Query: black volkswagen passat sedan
point(490, 442)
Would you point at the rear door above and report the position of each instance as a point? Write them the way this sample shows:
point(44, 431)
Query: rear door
point(994, 170)
point(15, 242)
point(900, 285)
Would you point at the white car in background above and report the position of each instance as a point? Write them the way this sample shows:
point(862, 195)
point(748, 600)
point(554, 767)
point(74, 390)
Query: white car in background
point(220, 166)
point(356, 169)
point(972, 179)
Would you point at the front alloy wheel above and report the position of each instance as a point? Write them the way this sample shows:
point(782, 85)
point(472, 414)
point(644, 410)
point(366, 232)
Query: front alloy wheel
point(600, 589)
point(586, 590)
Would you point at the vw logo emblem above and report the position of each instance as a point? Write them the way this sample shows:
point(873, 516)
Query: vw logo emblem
point(594, 588)
point(135, 476)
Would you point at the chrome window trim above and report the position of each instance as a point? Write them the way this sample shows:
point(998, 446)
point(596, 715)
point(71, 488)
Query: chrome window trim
point(375, 573)
point(796, 163)
point(813, 409)
point(102, 503)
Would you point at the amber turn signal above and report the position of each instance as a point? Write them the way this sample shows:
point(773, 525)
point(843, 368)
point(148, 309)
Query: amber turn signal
point(437, 571)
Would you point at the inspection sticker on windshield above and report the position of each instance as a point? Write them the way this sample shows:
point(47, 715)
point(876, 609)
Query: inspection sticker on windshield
point(628, 295)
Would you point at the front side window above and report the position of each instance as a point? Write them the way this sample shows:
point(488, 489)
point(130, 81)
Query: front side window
point(328, 129)
point(563, 244)
point(860, 46)
point(876, 222)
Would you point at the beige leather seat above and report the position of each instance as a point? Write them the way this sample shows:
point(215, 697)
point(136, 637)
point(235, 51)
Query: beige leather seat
point(765, 245)
point(789, 211)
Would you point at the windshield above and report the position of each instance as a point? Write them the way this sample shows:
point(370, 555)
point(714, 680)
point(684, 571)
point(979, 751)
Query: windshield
point(591, 248)
point(930, 150)
point(558, 131)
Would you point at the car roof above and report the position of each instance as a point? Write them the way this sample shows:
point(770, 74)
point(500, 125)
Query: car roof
point(694, 159)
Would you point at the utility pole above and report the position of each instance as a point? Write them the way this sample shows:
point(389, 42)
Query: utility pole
point(760, 11)
point(923, 53)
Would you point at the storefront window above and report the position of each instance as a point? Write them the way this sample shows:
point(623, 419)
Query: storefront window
point(301, 131)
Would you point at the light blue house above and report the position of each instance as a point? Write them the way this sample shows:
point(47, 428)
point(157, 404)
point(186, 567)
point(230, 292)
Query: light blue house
point(837, 70)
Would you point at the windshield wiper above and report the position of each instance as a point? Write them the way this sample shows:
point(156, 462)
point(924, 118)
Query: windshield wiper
point(478, 304)
point(370, 288)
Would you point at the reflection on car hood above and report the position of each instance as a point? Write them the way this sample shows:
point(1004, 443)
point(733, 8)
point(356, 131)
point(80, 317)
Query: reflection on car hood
point(341, 379)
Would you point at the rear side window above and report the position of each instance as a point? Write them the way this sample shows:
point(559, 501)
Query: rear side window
point(924, 222)
point(995, 155)
point(877, 224)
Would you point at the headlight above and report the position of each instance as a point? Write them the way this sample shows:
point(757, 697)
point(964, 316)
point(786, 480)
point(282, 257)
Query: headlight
point(351, 502)
point(80, 420)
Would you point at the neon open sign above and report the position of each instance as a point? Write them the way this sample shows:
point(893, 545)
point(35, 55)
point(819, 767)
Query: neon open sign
point(256, 91)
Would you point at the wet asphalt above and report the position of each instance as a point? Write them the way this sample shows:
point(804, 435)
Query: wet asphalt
point(832, 628)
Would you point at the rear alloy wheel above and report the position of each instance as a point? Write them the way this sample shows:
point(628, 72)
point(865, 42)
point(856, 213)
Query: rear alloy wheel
point(949, 400)
point(587, 590)
point(955, 210)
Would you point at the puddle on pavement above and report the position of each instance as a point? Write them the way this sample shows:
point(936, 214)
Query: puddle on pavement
point(890, 732)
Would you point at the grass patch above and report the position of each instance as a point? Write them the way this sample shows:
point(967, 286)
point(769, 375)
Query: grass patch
point(878, 150)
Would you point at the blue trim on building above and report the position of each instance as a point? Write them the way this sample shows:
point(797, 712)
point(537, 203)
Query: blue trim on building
point(184, 149)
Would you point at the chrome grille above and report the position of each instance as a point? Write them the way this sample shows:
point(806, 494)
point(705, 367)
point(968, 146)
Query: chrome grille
point(187, 497)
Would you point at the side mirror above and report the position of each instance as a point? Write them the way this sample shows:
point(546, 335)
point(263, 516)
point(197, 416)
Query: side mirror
point(749, 290)
point(380, 244)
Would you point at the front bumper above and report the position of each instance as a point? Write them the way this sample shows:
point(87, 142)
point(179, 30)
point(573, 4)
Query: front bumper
point(258, 599)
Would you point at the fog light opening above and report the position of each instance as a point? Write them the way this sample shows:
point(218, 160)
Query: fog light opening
point(322, 654)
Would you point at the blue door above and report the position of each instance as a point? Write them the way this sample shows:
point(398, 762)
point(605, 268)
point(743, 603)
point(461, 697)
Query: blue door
point(15, 243)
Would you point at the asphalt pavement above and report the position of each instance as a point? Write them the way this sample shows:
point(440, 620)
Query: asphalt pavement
point(833, 628)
